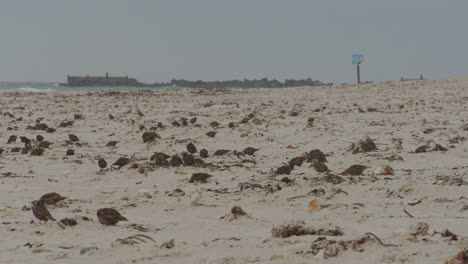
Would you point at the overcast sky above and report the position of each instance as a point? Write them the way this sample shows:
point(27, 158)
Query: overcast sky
point(44, 40)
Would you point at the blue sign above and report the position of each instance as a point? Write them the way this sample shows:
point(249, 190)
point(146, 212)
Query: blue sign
point(358, 58)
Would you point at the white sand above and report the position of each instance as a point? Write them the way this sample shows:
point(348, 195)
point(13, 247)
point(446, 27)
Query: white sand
point(373, 204)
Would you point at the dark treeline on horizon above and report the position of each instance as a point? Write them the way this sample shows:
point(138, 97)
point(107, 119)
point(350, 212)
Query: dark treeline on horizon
point(261, 83)
point(107, 80)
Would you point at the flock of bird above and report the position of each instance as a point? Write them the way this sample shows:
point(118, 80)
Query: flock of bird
point(106, 216)
point(110, 216)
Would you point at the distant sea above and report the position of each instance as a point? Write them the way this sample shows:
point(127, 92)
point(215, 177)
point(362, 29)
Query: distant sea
point(55, 87)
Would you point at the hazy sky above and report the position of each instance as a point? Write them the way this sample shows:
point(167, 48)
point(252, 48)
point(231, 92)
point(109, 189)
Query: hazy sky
point(44, 40)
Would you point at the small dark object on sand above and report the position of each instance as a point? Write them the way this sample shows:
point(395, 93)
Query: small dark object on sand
point(39, 138)
point(245, 120)
point(176, 124)
point(355, 170)
point(160, 159)
point(237, 211)
point(168, 245)
point(317, 155)
point(297, 161)
point(78, 117)
point(285, 231)
point(191, 148)
point(70, 152)
point(109, 216)
point(44, 144)
point(25, 150)
point(333, 179)
point(189, 159)
point(102, 163)
point(200, 177)
point(249, 151)
point(422, 149)
point(366, 145)
point(41, 126)
point(68, 222)
point(214, 124)
point(111, 117)
point(176, 161)
point(438, 147)
point(149, 136)
point(204, 153)
point(320, 166)
point(112, 143)
point(221, 152)
point(37, 152)
point(12, 139)
point(41, 213)
point(211, 134)
point(73, 138)
point(51, 130)
point(286, 180)
point(236, 214)
point(15, 149)
point(231, 125)
point(24, 139)
point(193, 120)
point(159, 156)
point(66, 123)
point(121, 162)
point(52, 198)
point(285, 169)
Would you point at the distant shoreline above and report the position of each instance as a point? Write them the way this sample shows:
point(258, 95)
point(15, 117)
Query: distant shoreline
point(125, 81)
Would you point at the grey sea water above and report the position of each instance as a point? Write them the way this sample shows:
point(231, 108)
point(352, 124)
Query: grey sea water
point(55, 87)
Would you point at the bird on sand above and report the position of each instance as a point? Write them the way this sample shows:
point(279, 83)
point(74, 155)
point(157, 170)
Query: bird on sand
point(319, 166)
point(109, 216)
point(355, 170)
point(102, 163)
point(122, 161)
point(44, 144)
point(52, 198)
point(211, 134)
point(12, 139)
point(204, 153)
point(249, 151)
point(200, 177)
point(191, 148)
point(112, 143)
point(73, 138)
point(41, 213)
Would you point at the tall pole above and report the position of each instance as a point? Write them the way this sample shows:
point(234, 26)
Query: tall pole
point(358, 74)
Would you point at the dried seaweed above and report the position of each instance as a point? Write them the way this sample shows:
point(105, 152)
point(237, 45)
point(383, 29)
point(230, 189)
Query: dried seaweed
point(285, 231)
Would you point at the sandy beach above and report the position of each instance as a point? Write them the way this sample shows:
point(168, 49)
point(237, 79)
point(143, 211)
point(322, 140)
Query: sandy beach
point(414, 202)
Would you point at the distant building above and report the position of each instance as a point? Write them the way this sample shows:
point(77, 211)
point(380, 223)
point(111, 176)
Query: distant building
point(107, 80)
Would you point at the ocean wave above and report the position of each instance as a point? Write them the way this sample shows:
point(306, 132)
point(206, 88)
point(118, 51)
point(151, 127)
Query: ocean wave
point(30, 90)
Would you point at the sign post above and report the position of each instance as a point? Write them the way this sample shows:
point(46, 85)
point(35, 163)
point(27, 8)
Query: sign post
point(357, 60)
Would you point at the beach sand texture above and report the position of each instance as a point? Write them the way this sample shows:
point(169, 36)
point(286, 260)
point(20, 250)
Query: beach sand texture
point(194, 224)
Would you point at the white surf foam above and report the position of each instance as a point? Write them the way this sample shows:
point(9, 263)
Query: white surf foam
point(35, 90)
